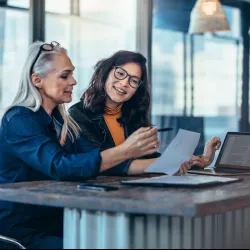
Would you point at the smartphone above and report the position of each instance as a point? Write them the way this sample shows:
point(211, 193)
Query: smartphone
point(96, 187)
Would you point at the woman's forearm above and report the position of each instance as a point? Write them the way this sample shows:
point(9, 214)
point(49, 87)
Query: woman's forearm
point(112, 157)
point(138, 166)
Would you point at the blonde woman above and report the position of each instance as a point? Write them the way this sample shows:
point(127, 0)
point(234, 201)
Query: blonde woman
point(39, 141)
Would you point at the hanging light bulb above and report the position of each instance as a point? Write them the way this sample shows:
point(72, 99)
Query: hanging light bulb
point(209, 8)
point(208, 16)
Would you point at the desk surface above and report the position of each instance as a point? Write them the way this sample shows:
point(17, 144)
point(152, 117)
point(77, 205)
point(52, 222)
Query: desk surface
point(132, 199)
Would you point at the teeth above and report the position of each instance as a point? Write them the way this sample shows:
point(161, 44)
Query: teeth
point(120, 90)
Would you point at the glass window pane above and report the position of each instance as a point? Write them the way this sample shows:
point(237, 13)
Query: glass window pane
point(196, 80)
point(216, 84)
point(91, 39)
point(58, 6)
point(167, 74)
point(111, 12)
point(15, 40)
point(19, 3)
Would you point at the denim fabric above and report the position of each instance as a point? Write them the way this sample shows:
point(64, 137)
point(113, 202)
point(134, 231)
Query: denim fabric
point(30, 151)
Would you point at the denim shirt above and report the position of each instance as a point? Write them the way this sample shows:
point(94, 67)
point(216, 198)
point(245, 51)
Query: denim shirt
point(30, 151)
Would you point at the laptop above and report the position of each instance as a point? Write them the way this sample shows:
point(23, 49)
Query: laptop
point(188, 180)
point(233, 159)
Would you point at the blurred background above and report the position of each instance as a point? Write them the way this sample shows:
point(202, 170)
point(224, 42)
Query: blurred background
point(199, 81)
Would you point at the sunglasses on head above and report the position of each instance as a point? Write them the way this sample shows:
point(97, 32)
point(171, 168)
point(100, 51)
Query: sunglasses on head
point(44, 47)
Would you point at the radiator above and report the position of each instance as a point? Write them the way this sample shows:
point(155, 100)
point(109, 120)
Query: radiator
point(86, 229)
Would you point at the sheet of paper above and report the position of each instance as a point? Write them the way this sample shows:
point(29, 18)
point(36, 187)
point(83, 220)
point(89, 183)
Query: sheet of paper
point(178, 151)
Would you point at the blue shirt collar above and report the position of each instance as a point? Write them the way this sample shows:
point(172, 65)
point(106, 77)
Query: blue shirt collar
point(46, 119)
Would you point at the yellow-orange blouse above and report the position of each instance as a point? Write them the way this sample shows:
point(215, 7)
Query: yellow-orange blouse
point(117, 131)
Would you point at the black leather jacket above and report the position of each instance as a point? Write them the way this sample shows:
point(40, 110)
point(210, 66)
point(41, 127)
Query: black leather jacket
point(94, 128)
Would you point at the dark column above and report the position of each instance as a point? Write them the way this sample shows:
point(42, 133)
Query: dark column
point(37, 20)
point(192, 73)
point(245, 18)
point(3, 3)
point(2, 28)
point(185, 73)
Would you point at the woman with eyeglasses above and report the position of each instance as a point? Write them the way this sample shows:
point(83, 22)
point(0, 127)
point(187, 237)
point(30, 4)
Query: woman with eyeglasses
point(116, 105)
point(39, 141)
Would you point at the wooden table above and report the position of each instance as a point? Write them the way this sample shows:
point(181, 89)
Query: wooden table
point(144, 217)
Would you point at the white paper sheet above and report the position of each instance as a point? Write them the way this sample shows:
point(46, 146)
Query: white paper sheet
point(178, 151)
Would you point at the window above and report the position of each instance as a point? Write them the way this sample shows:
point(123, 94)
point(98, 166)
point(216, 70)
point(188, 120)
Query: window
point(15, 41)
point(195, 79)
point(19, 3)
point(116, 13)
point(167, 73)
point(58, 6)
point(102, 29)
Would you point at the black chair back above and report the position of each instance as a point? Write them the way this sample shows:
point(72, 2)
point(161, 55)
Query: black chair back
point(192, 123)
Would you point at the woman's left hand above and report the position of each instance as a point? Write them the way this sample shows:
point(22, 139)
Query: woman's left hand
point(185, 166)
point(209, 151)
point(207, 158)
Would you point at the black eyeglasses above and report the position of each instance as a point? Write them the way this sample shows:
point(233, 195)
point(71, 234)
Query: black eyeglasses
point(121, 74)
point(44, 47)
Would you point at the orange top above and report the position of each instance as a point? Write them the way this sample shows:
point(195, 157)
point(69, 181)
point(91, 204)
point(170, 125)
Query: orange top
point(117, 131)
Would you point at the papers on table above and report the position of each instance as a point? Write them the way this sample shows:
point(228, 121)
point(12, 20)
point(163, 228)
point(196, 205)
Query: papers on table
point(179, 150)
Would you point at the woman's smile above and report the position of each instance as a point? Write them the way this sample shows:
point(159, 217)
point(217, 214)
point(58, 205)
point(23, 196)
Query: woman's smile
point(119, 91)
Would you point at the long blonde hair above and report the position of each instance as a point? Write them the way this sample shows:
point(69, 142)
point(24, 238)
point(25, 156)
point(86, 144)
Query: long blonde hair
point(29, 96)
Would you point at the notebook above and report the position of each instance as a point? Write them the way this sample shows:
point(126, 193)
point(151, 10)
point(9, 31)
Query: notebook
point(233, 159)
point(182, 181)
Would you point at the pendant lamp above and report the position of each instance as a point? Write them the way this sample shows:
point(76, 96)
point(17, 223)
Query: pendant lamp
point(208, 16)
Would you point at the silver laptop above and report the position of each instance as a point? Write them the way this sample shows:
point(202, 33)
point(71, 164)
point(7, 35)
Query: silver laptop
point(233, 159)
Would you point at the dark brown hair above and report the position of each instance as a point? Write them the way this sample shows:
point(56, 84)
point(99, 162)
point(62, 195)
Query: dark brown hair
point(135, 111)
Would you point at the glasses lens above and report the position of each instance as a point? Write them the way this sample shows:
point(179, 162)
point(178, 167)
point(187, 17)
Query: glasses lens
point(47, 47)
point(120, 73)
point(134, 82)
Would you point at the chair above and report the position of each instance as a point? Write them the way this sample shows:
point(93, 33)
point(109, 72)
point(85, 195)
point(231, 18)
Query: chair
point(11, 242)
point(191, 123)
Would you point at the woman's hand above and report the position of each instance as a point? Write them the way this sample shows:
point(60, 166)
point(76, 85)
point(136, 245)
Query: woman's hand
point(207, 158)
point(209, 151)
point(185, 166)
point(143, 141)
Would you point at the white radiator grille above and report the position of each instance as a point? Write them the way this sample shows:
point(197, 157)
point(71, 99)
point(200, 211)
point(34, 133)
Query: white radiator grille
point(85, 229)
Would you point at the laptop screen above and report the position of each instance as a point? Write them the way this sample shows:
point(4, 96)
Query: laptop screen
point(235, 150)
